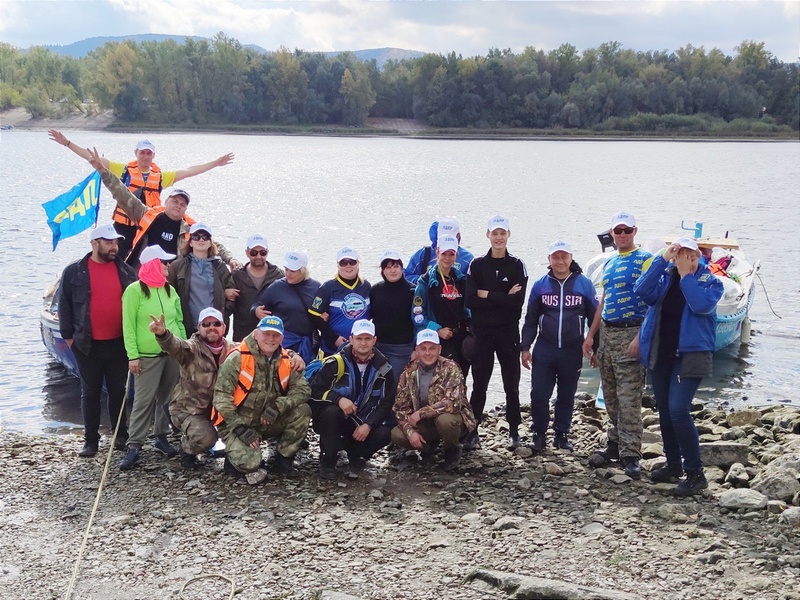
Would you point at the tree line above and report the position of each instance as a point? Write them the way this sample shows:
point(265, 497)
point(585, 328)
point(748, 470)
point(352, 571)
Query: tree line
point(222, 83)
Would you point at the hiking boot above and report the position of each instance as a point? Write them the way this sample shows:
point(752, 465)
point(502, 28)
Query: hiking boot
point(693, 483)
point(632, 468)
point(256, 477)
point(130, 459)
point(229, 469)
point(284, 466)
point(666, 474)
point(327, 471)
point(452, 457)
point(513, 440)
point(163, 446)
point(560, 442)
point(89, 449)
point(426, 456)
point(601, 458)
point(538, 442)
point(121, 442)
point(190, 462)
point(472, 441)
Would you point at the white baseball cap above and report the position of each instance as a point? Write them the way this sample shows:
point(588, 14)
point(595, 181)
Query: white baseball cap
point(447, 242)
point(391, 255)
point(146, 145)
point(346, 252)
point(153, 253)
point(361, 327)
point(200, 227)
point(257, 241)
point(295, 260)
point(210, 312)
point(498, 222)
point(623, 218)
point(180, 192)
point(105, 232)
point(688, 243)
point(559, 246)
point(427, 335)
point(447, 227)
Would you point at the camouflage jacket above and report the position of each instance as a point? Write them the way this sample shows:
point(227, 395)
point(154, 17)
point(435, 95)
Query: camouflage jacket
point(265, 392)
point(194, 393)
point(447, 393)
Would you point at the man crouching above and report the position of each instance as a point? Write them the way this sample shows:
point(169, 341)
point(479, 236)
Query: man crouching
point(257, 396)
point(431, 404)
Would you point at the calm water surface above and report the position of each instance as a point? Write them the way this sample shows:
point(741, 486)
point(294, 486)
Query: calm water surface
point(318, 194)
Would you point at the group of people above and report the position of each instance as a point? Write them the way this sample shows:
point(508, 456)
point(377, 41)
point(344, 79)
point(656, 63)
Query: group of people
point(156, 300)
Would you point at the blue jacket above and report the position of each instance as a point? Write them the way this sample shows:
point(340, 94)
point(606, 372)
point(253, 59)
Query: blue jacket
point(415, 269)
point(702, 291)
point(421, 310)
point(558, 311)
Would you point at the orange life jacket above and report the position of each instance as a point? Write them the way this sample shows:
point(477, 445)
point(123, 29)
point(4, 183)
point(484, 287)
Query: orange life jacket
point(247, 372)
point(147, 221)
point(149, 192)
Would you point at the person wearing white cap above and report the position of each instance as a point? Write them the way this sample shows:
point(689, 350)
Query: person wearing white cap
point(142, 177)
point(677, 343)
point(438, 302)
point(425, 257)
point(345, 299)
point(201, 279)
point(256, 275)
point(618, 319)
point(390, 307)
point(199, 358)
point(90, 321)
point(431, 405)
point(167, 225)
point(561, 304)
point(353, 393)
point(495, 293)
point(156, 373)
point(290, 298)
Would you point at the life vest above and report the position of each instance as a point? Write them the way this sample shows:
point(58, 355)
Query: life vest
point(147, 221)
point(149, 191)
point(247, 372)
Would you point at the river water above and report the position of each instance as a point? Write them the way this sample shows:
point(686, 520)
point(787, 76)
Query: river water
point(320, 193)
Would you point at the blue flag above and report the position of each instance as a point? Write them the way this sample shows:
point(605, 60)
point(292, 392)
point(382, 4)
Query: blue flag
point(74, 211)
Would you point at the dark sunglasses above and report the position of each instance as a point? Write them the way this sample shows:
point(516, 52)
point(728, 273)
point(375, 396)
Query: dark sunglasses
point(625, 230)
point(165, 262)
point(210, 324)
point(347, 262)
point(258, 252)
point(200, 237)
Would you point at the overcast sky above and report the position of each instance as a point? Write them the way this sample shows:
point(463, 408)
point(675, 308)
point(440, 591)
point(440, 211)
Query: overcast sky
point(468, 28)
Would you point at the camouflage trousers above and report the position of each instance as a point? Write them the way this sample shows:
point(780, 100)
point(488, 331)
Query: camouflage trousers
point(290, 429)
point(445, 428)
point(623, 383)
point(197, 432)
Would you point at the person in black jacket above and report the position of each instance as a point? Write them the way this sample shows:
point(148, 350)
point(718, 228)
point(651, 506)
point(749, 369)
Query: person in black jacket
point(90, 321)
point(495, 293)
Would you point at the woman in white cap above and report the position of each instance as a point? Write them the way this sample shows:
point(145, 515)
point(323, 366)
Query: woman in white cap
point(156, 373)
point(438, 302)
point(201, 279)
point(676, 344)
point(344, 299)
point(290, 298)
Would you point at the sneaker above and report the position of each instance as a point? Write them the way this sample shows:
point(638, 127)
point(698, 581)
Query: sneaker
point(513, 440)
point(256, 477)
point(131, 458)
point(452, 457)
point(284, 466)
point(632, 468)
point(472, 441)
point(229, 469)
point(163, 446)
point(666, 474)
point(538, 442)
point(560, 442)
point(600, 458)
point(89, 449)
point(327, 471)
point(693, 483)
point(190, 462)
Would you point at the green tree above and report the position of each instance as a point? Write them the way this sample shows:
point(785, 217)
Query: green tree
point(357, 96)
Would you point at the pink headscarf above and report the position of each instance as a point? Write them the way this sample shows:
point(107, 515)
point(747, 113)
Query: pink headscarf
point(152, 274)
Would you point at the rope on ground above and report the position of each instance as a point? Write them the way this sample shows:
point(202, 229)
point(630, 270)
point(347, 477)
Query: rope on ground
point(76, 568)
point(208, 575)
point(767, 296)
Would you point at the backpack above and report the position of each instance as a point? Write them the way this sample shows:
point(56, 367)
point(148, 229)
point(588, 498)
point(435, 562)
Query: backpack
point(316, 364)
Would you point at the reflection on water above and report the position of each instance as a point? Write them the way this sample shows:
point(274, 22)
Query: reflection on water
point(62, 400)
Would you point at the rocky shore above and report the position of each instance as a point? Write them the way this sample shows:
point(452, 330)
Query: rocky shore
point(505, 525)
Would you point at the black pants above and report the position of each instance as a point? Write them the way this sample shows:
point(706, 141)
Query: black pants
point(125, 244)
point(336, 433)
point(106, 360)
point(503, 341)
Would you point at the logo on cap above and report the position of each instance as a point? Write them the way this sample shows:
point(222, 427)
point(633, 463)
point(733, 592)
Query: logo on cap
point(271, 323)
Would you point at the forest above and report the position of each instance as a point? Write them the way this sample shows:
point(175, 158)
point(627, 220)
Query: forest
point(221, 84)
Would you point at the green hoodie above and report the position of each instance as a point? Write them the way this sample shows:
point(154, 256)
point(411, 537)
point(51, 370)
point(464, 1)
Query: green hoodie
point(136, 311)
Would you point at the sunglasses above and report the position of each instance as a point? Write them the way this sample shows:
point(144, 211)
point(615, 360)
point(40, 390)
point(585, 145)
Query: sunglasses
point(210, 324)
point(347, 262)
point(258, 252)
point(625, 230)
point(200, 237)
point(165, 262)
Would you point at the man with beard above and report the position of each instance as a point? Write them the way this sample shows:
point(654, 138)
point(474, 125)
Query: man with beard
point(250, 281)
point(90, 320)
